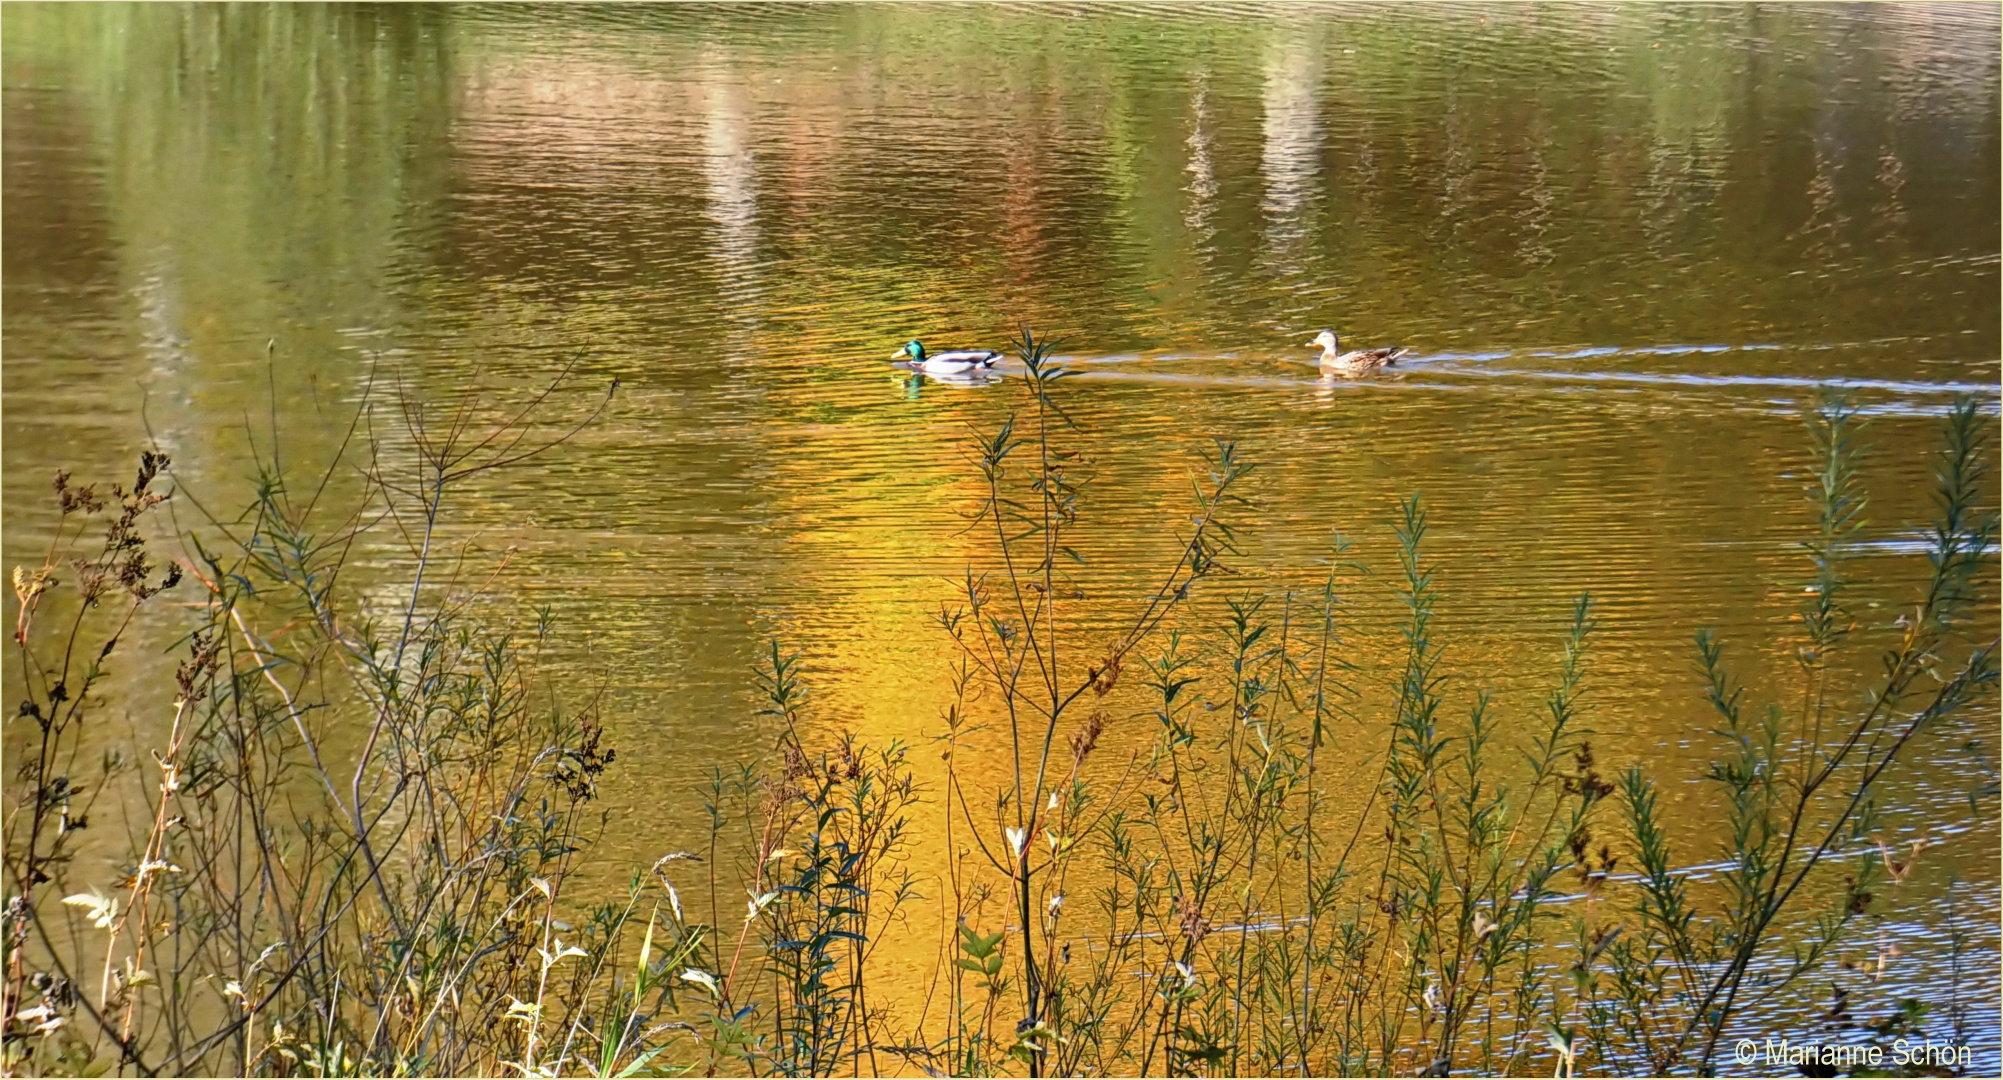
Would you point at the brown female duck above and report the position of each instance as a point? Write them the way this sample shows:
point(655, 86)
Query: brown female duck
point(1355, 362)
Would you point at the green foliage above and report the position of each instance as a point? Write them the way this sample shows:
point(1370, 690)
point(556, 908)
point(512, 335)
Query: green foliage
point(1798, 783)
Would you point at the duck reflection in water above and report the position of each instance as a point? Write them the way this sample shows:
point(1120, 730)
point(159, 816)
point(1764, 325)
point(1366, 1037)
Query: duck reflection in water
point(914, 381)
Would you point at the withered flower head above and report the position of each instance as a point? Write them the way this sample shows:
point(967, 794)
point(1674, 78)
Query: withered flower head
point(1192, 921)
point(150, 465)
point(1087, 737)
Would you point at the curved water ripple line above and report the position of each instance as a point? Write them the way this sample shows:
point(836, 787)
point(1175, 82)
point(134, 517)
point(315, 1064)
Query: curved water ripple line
point(1427, 361)
point(1695, 379)
point(1424, 365)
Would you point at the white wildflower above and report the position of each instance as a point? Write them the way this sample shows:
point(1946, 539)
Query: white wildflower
point(103, 910)
point(563, 951)
point(757, 904)
point(156, 866)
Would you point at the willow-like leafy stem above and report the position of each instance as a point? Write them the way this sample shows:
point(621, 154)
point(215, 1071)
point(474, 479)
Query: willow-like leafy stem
point(1962, 538)
point(1323, 711)
point(1037, 620)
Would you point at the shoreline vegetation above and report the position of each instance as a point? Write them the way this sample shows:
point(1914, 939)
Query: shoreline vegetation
point(365, 816)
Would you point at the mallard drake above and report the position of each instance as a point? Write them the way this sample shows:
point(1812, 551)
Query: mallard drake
point(951, 362)
point(1354, 362)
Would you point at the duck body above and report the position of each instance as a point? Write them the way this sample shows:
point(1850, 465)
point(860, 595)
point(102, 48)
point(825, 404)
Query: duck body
point(1355, 361)
point(950, 362)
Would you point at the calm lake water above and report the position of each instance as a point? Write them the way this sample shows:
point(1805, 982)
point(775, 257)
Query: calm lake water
point(1627, 246)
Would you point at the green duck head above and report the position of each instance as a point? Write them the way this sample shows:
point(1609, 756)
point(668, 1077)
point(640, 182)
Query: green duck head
point(912, 350)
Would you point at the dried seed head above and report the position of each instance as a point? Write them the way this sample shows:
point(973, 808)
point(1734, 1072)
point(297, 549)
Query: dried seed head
point(1580, 841)
point(1106, 675)
point(1086, 738)
point(204, 657)
point(132, 571)
point(578, 769)
point(797, 765)
point(90, 581)
point(1192, 921)
point(150, 465)
point(74, 499)
point(846, 764)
